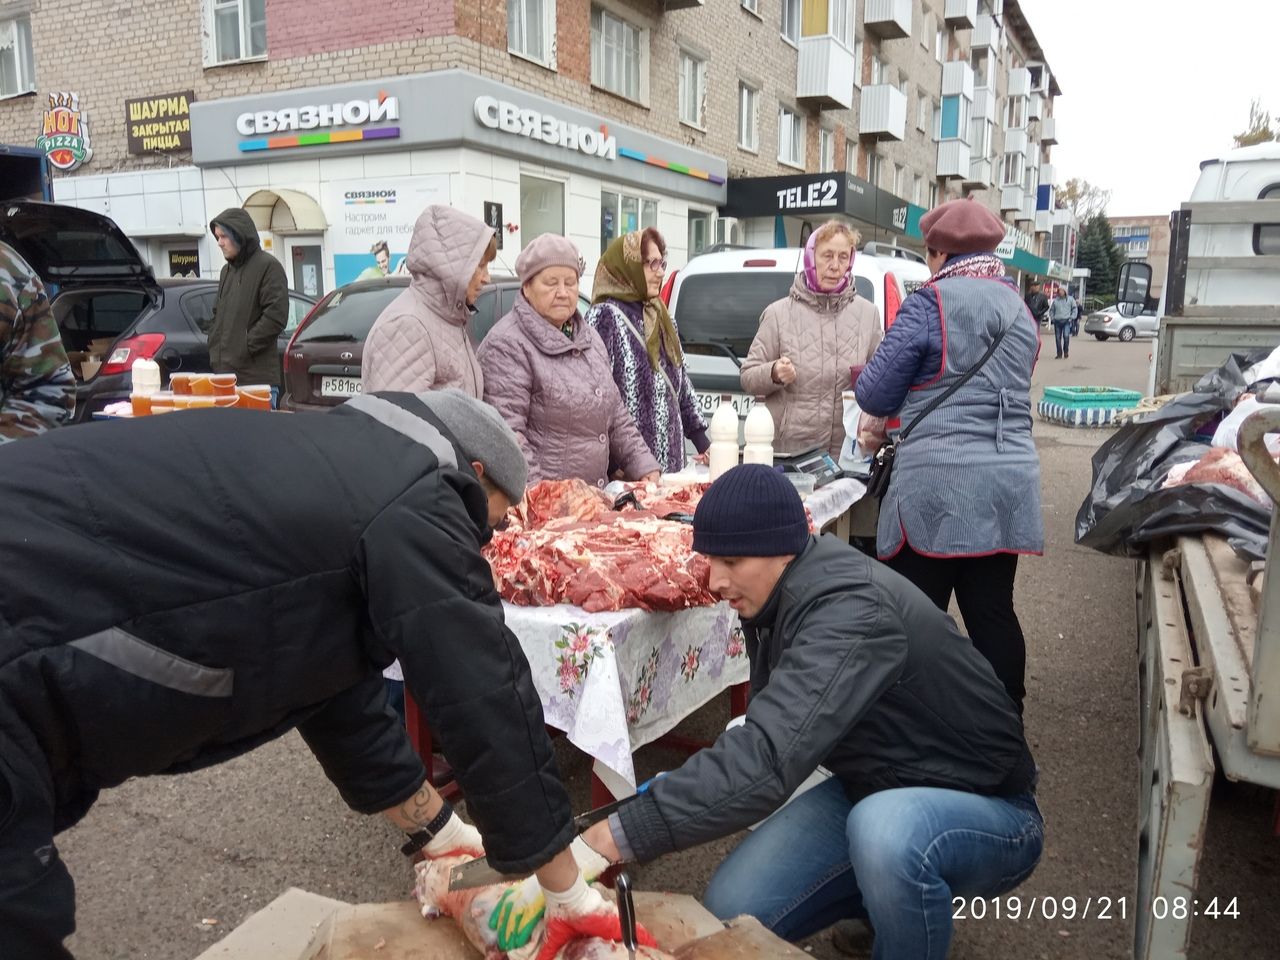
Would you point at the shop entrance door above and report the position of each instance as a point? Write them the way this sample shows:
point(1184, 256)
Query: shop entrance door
point(305, 259)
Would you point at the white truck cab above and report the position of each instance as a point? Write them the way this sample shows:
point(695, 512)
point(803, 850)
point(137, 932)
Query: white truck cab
point(1223, 286)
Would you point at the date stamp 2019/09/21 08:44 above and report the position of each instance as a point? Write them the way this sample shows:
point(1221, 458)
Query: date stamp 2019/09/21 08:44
point(1090, 908)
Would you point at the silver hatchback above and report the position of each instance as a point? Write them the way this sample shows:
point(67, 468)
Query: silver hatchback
point(1108, 322)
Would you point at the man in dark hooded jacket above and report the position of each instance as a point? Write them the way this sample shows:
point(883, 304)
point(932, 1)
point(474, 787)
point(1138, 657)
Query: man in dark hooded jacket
point(176, 591)
point(252, 306)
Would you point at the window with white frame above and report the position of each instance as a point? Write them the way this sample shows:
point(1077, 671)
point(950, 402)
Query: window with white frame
point(1011, 170)
point(980, 60)
point(531, 30)
point(1016, 113)
point(790, 137)
point(748, 117)
point(622, 213)
point(237, 29)
point(899, 180)
point(940, 44)
point(924, 112)
point(850, 158)
point(17, 60)
point(933, 195)
point(826, 149)
point(979, 138)
point(954, 124)
point(935, 120)
point(791, 20)
point(857, 63)
point(873, 168)
point(752, 5)
point(877, 69)
point(618, 48)
point(1030, 179)
point(917, 190)
point(693, 89)
point(840, 20)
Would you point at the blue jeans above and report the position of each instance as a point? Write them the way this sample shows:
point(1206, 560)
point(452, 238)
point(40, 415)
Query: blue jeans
point(275, 398)
point(395, 696)
point(1062, 337)
point(895, 859)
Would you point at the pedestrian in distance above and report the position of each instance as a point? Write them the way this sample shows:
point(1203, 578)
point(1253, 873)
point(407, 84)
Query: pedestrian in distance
point(252, 305)
point(1062, 313)
point(931, 793)
point(963, 500)
point(1037, 302)
point(275, 607)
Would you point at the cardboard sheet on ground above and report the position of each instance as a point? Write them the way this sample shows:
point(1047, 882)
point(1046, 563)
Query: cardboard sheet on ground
point(302, 926)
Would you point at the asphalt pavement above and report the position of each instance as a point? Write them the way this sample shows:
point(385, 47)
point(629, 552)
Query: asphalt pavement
point(166, 866)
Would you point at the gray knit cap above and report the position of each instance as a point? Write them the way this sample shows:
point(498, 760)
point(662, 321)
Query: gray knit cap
point(482, 435)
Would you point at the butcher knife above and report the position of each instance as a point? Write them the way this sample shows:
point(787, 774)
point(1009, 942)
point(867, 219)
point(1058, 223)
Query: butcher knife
point(478, 873)
point(626, 913)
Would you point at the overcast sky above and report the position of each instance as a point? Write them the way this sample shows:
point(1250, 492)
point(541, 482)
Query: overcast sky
point(1150, 89)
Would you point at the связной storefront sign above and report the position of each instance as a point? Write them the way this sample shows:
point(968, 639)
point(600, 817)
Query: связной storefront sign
point(506, 116)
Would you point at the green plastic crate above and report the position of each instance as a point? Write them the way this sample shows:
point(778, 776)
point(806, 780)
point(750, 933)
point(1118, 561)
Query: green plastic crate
point(1084, 398)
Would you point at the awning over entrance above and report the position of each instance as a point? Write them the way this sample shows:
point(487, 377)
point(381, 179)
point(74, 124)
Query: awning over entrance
point(285, 212)
point(821, 195)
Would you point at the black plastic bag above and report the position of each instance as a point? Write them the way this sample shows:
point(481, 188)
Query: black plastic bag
point(1126, 509)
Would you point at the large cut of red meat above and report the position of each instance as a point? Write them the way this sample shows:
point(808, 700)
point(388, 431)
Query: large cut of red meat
point(1224, 466)
point(565, 544)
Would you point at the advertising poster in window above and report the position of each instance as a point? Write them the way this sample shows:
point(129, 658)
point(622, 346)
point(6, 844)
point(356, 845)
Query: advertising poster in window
point(184, 263)
point(372, 222)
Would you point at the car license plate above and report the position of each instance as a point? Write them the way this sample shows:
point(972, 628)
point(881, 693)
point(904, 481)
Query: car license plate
point(707, 402)
point(339, 386)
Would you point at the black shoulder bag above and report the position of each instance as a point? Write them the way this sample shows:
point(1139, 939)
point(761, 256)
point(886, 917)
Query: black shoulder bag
point(882, 461)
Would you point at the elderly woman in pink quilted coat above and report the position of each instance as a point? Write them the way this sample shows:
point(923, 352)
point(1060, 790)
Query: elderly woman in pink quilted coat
point(420, 341)
point(800, 359)
point(548, 373)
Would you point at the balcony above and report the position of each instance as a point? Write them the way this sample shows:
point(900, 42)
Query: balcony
point(825, 75)
point(1035, 107)
point(957, 79)
point(986, 33)
point(1015, 141)
point(1046, 174)
point(980, 173)
point(953, 159)
point(1044, 221)
point(888, 19)
point(681, 4)
point(1048, 131)
point(960, 14)
point(1019, 82)
point(1027, 212)
point(984, 104)
point(882, 113)
point(1011, 198)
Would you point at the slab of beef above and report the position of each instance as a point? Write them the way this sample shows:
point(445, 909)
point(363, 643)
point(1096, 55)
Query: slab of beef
point(1223, 466)
point(565, 544)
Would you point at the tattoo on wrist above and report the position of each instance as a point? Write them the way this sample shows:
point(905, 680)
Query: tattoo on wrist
point(415, 808)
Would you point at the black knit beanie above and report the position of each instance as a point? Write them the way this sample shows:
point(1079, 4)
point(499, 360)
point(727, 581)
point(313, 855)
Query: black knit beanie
point(750, 511)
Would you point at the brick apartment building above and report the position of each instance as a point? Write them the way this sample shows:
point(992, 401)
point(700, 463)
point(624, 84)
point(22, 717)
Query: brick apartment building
point(1145, 239)
point(333, 124)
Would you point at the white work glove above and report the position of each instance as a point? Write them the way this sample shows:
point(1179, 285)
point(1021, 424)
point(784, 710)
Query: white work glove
point(581, 912)
point(521, 907)
point(456, 838)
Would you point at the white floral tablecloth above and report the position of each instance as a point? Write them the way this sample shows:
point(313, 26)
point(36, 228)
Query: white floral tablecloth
point(616, 681)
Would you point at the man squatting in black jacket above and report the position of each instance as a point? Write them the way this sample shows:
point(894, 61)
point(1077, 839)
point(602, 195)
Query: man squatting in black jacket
point(931, 793)
point(179, 590)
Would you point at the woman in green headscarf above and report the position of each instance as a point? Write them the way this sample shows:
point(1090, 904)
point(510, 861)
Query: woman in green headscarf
point(644, 346)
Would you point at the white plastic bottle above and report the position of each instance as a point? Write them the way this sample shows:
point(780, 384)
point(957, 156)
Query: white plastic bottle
point(146, 377)
point(759, 436)
point(723, 432)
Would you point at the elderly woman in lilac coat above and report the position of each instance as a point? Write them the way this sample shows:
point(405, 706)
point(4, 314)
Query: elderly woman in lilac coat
point(548, 374)
point(644, 347)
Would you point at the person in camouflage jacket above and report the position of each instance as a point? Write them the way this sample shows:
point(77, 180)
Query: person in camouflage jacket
point(37, 388)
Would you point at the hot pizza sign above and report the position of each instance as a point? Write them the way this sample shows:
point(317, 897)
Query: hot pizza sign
point(65, 135)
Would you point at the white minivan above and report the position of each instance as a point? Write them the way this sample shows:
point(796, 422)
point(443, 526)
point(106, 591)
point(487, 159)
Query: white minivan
point(717, 299)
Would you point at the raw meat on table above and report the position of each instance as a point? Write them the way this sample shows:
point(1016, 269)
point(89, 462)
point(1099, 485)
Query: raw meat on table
point(472, 909)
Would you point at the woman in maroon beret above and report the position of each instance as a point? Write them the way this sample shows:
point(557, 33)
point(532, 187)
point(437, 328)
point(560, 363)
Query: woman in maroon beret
point(964, 498)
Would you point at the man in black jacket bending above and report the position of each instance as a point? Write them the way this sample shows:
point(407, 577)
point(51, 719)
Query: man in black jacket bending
point(931, 788)
point(178, 590)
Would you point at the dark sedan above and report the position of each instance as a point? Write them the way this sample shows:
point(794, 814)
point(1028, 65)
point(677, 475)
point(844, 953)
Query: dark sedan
point(322, 363)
